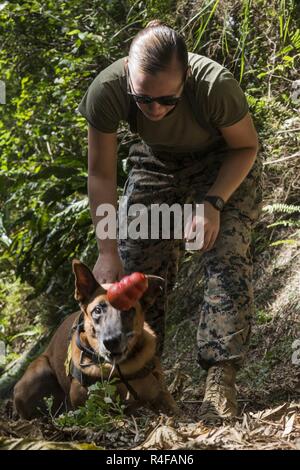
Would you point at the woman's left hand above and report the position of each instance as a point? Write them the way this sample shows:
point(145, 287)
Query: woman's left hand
point(211, 227)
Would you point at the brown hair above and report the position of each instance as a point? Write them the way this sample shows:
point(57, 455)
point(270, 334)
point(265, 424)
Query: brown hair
point(155, 46)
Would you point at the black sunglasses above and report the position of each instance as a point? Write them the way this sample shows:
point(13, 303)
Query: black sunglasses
point(163, 100)
point(145, 99)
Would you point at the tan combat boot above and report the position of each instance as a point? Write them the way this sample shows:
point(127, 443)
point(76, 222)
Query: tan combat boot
point(220, 394)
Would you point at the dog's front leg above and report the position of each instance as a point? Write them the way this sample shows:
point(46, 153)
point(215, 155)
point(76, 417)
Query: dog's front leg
point(78, 394)
point(165, 403)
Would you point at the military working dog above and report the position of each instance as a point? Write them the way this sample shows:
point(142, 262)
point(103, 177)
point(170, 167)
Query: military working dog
point(99, 342)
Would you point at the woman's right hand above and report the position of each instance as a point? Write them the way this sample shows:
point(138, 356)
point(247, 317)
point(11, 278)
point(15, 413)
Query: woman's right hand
point(108, 268)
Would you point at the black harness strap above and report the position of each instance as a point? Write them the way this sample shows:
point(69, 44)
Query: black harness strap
point(83, 379)
point(129, 387)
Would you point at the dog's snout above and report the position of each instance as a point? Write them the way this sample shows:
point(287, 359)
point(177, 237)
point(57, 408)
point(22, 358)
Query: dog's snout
point(113, 343)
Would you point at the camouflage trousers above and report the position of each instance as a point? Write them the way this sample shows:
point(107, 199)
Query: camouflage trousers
point(225, 318)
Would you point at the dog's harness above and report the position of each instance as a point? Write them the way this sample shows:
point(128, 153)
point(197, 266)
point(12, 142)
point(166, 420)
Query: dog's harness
point(85, 379)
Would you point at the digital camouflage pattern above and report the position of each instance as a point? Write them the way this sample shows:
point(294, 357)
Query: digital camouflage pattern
point(225, 318)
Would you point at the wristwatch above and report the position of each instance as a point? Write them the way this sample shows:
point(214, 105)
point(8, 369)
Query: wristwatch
point(216, 201)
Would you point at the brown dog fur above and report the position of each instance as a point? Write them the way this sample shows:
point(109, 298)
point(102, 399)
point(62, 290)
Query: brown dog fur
point(47, 375)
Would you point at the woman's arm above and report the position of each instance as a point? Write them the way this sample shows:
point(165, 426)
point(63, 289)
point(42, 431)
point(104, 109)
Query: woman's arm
point(243, 144)
point(102, 189)
point(242, 141)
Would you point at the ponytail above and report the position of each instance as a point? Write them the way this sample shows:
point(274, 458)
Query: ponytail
point(156, 46)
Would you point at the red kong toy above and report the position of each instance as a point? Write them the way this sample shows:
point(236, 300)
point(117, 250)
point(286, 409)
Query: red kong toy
point(124, 294)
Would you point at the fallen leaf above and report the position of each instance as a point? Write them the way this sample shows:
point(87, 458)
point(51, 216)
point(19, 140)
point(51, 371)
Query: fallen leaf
point(289, 425)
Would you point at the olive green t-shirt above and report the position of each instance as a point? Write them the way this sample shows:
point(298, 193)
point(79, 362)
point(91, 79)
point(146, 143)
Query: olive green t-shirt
point(217, 93)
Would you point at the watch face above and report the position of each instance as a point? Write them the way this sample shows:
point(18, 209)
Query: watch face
point(219, 203)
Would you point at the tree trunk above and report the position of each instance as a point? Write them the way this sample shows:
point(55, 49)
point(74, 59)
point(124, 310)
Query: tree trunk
point(12, 374)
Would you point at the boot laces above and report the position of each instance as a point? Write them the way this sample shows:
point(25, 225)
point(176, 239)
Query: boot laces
point(219, 388)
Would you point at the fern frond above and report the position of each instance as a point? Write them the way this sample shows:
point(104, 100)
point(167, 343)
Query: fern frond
point(285, 223)
point(285, 208)
point(284, 242)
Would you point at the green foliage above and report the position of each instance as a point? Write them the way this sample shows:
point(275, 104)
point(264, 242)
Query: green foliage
point(41, 136)
point(102, 410)
point(292, 223)
point(241, 34)
point(52, 52)
point(262, 317)
point(204, 17)
point(20, 323)
point(285, 208)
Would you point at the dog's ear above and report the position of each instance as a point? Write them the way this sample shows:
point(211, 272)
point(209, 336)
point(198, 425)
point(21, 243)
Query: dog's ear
point(156, 286)
point(85, 283)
